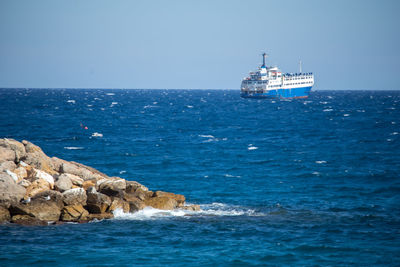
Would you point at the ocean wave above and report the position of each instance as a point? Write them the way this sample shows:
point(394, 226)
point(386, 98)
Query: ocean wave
point(74, 147)
point(213, 209)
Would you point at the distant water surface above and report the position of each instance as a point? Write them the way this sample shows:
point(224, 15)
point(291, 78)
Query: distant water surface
point(297, 182)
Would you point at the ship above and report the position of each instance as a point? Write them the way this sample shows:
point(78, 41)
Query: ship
point(269, 82)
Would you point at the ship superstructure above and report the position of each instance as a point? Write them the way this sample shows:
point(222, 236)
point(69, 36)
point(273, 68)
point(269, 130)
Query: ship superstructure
point(269, 82)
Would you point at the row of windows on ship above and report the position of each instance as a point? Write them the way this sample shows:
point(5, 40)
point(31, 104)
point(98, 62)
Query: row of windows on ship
point(265, 82)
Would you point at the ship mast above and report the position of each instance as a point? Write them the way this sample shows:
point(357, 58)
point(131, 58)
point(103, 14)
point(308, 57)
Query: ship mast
point(264, 57)
point(300, 66)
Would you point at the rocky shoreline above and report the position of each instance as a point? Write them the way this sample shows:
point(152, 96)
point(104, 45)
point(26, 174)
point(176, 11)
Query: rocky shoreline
point(38, 190)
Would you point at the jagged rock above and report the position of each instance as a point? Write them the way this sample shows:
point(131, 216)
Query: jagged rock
point(13, 175)
point(132, 186)
point(37, 158)
point(162, 203)
point(27, 220)
point(39, 174)
point(136, 205)
point(4, 215)
point(84, 172)
point(75, 196)
point(17, 147)
point(50, 195)
point(6, 154)
point(36, 187)
point(57, 163)
point(130, 197)
point(74, 213)
point(88, 183)
point(97, 202)
point(179, 198)
point(42, 209)
point(91, 190)
point(7, 165)
point(63, 183)
point(10, 191)
point(21, 173)
point(118, 203)
point(100, 216)
point(111, 187)
point(192, 208)
point(75, 180)
point(24, 183)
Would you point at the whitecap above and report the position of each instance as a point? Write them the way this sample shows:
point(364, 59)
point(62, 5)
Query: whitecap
point(71, 101)
point(252, 148)
point(114, 103)
point(327, 109)
point(320, 161)
point(189, 106)
point(110, 94)
point(122, 172)
point(394, 133)
point(346, 115)
point(73, 147)
point(213, 209)
point(206, 135)
point(232, 176)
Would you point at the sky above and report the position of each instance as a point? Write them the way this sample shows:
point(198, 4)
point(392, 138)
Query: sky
point(348, 45)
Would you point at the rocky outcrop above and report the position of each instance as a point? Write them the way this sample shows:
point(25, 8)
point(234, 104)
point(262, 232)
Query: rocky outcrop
point(37, 190)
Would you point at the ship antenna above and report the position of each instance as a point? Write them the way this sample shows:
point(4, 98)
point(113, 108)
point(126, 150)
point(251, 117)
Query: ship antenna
point(264, 56)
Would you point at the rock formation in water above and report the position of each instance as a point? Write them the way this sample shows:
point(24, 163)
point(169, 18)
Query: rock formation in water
point(38, 190)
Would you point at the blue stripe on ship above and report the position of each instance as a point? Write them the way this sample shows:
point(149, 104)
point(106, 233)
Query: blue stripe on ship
point(280, 93)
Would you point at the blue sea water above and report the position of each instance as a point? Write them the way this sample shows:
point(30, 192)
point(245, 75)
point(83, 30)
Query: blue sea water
point(295, 182)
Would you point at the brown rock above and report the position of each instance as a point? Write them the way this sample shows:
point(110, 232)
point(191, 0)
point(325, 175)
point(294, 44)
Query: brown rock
point(10, 191)
point(50, 195)
point(111, 187)
point(24, 183)
point(179, 198)
point(37, 187)
point(14, 145)
point(6, 154)
point(7, 165)
point(130, 197)
point(97, 202)
point(4, 215)
point(45, 210)
point(21, 173)
point(100, 216)
point(74, 213)
point(75, 196)
point(75, 180)
point(88, 183)
point(37, 158)
point(63, 183)
point(118, 203)
point(27, 220)
point(84, 172)
point(136, 205)
point(162, 203)
point(132, 186)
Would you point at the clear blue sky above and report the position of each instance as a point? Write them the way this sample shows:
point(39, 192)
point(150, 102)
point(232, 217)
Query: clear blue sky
point(196, 44)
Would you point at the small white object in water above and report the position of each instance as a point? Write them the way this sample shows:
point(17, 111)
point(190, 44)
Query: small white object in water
point(252, 148)
point(320, 161)
point(96, 134)
point(71, 101)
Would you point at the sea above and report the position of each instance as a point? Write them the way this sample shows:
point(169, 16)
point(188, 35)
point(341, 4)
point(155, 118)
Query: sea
point(302, 182)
